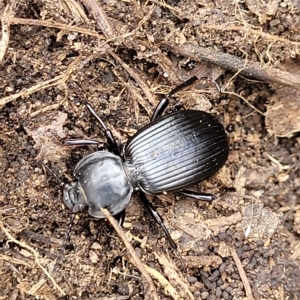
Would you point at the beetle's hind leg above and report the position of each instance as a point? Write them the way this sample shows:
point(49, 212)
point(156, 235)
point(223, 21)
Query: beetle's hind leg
point(158, 218)
point(164, 102)
point(198, 195)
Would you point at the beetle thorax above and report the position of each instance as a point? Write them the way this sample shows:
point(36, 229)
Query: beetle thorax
point(103, 183)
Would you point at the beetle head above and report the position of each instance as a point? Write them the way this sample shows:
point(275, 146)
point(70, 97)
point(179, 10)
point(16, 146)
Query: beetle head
point(74, 197)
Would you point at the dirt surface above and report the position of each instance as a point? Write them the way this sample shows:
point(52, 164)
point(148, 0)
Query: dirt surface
point(124, 56)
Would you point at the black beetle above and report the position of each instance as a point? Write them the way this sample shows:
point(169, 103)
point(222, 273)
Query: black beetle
point(169, 154)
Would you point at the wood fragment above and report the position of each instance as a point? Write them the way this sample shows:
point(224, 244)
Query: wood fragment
point(41, 238)
point(136, 77)
point(57, 25)
point(296, 254)
point(174, 276)
point(242, 274)
point(163, 281)
point(137, 97)
point(36, 256)
point(76, 10)
point(5, 23)
point(44, 84)
point(287, 208)
point(236, 64)
point(129, 247)
point(16, 261)
point(99, 15)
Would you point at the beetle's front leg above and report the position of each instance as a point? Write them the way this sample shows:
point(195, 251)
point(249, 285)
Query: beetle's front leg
point(85, 142)
point(109, 136)
point(120, 217)
point(164, 102)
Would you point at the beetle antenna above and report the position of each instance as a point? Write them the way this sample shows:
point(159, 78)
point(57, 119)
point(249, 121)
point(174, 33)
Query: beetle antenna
point(65, 241)
point(109, 136)
point(61, 183)
point(71, 221)
point(67, 236)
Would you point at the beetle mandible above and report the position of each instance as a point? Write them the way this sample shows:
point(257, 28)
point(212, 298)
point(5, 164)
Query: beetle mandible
point(170, 154)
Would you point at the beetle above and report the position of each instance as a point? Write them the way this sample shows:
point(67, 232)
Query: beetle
point(169, 155)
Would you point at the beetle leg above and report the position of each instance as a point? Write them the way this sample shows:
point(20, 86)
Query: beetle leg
point(84, 142)
point(158, 218)
point(120, 217)
point(113, 146)
point(160, 108)
point(198, 195)
point(109, 136)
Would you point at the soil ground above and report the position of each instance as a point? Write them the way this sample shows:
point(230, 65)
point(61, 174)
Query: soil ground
point(124, 56)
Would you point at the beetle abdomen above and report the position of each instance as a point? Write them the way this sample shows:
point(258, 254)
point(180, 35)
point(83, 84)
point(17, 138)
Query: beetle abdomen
point(177, 151)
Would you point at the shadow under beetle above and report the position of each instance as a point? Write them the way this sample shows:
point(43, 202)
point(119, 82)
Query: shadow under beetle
point(169, 154)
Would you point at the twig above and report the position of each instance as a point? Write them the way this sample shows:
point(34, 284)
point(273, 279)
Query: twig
point(43, 85)
point(250, 31)
point(95, 9)
point(5, 22)
point(57, 25)
point(235, 64)
point(23, 245)
point(175, 10)
point(99, 15)
point(242, 274)
point(167, 286)
point(245, 100)
point(76, 10)
point(138, 262)
point(296, 253)
point(287, 208)
point(174, 275)
point(136, 77)
point(138, 97)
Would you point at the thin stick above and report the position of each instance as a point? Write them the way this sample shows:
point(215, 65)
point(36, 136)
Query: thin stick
point(242, 275)
point(23, 245)
point(138, 262)
point(163, 281)
point(99, 15)
point(236, 64)
point(5, 22)
point(43, 84)
point(95, 9)
point(57, 25)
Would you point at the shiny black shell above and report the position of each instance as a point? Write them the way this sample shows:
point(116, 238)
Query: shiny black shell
point(176, 151)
